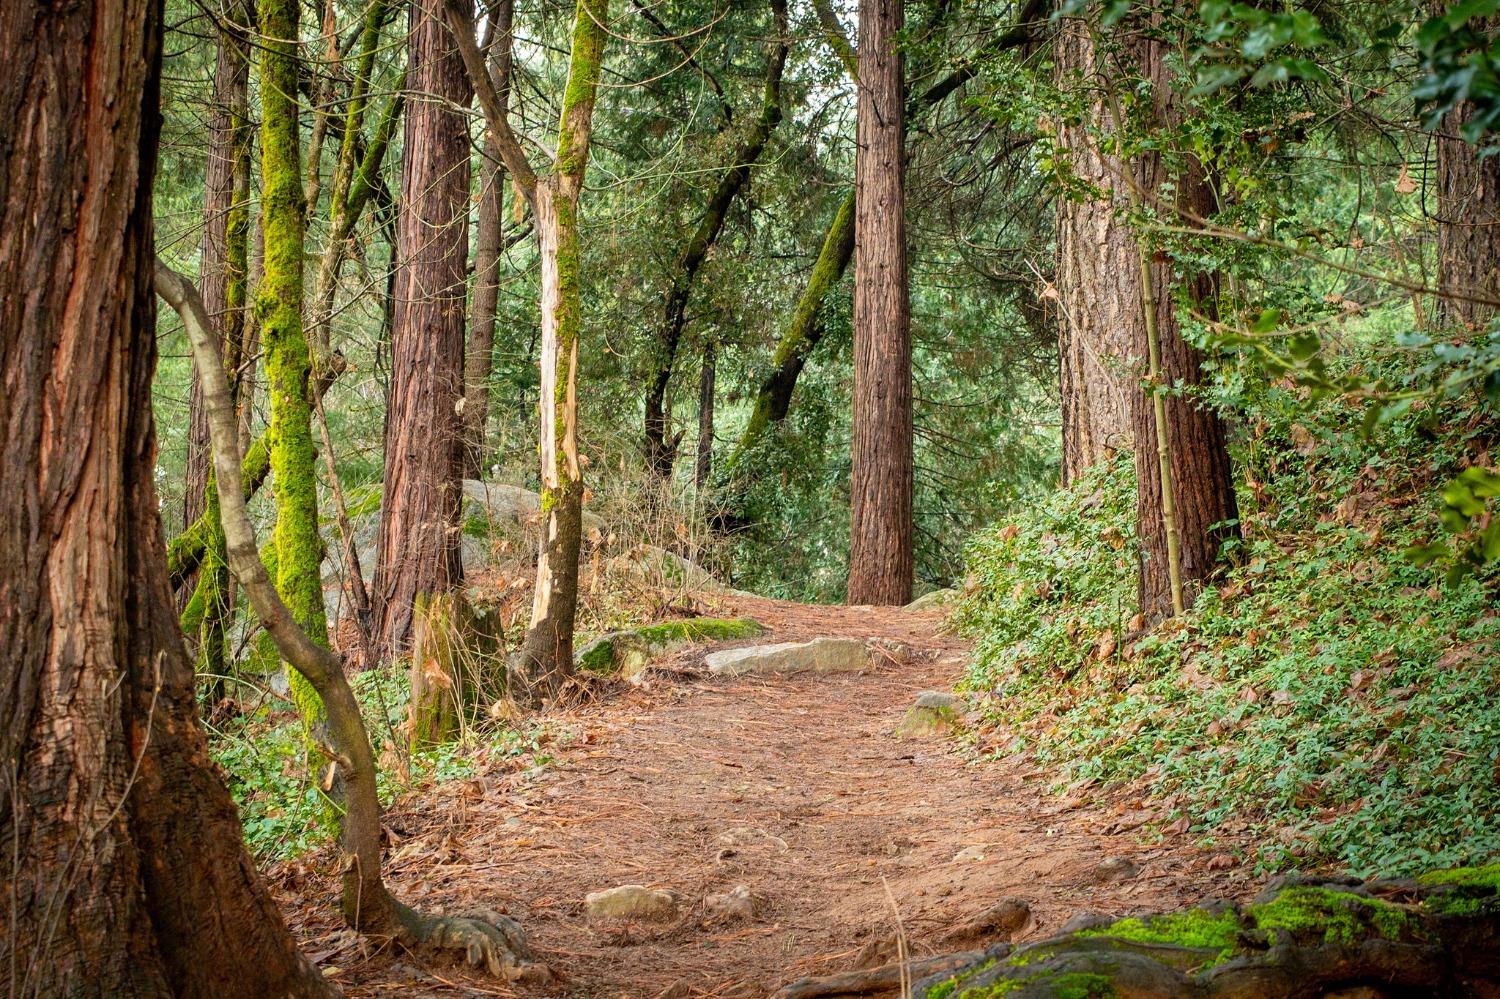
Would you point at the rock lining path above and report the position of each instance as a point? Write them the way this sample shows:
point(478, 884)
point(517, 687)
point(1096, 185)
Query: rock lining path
point(796, 788)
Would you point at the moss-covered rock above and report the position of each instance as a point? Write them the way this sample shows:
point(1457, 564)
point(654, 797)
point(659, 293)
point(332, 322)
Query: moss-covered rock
point(1437, 935)
point(627, 653)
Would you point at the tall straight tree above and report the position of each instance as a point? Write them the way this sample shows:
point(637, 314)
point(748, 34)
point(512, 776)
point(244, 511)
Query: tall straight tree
point(545, 661)
point(1097, 276)
point(419, 560)
point(125, 871)
point(880, 522)
point(1191, 455)
point(488, 243)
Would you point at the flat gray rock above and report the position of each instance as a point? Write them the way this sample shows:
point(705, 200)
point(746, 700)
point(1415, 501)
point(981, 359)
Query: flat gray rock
point(821, 655)
point(631, 903)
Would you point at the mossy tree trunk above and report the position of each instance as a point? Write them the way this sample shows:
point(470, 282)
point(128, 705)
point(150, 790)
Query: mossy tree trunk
point(419, 558)
point(544, 663)
point(661, 443)
point(125, 871)
point(288, 361)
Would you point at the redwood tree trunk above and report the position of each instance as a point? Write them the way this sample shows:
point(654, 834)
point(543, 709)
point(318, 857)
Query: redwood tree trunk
point(1201, 474)
point(1468, 224)
point(1097, 280)
point(422, 495)
point(125, 870)
point(220, 269)
point(880, 523)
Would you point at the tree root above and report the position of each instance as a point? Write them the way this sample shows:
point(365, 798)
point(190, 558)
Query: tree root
point(1438, 935)
point(487, 939)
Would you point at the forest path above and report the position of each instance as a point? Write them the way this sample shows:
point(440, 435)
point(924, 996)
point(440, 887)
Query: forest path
point(795, 787)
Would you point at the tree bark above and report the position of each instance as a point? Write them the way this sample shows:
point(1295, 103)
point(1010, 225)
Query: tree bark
point(880, 529)
point(488, 244)
point(661, 444)
point(1097, 277)
point(1468, 224)
point(223, 256)
point(544, 664)
point(419, 555)
point(707, 378)
point(1195, 440)
point(125, 870)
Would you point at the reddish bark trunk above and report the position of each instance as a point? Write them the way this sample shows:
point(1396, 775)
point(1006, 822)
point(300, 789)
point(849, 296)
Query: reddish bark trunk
point(1203, 481)
point(422, 496)
point(1468, 224)
point(1098, 281)
point(131, 877)
point(880, 528)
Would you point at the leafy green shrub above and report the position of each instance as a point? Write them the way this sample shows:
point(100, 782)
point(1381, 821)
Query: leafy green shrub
point(285, 812)
point(1329, 700)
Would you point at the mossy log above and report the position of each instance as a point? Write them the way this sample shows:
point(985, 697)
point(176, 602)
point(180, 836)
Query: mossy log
point(1438, 935)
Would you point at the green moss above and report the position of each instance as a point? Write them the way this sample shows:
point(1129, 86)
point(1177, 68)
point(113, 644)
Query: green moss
point(1475, 891)
point(587, 53)
point(1338, 917)
point(598, 656)
point(1487, 876)
point(699, 629)
point(288, 362)
point(1196, 929)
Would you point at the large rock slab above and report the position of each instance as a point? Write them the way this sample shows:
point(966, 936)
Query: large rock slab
point(628, 653)
point(935, 600)
point(821, 655)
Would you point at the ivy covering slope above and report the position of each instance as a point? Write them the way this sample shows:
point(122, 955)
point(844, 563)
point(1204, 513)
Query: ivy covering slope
point(1330, 700)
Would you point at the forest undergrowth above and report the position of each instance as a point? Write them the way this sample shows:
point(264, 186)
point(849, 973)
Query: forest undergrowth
point(1331, 699)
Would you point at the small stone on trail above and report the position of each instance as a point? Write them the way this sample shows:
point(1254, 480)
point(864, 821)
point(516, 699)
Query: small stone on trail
point(1115, 869)
point(679, 989)
point(631, 903)
point(738, 905)
point(821, 655)
point(969, 853)
point(1004, 919)
point(936, 712)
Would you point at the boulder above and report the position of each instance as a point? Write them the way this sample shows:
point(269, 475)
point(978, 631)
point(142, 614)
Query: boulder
point(631, 904)
point(821, 655)
point(629, 652)
point(936, 600)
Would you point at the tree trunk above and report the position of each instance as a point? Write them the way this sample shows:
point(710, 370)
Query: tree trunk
point(126, 872)
point(880, 528)
point(221, 271)
point(419, 554)
point(661, 444)
point(1468, 224)
point(288, 361)
point(1097, 279)
point(1200, 468)
point(488, 245)
point(707, 377)
point(545, 662)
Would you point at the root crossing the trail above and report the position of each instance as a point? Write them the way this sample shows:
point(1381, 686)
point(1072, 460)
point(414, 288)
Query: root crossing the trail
point(781, 827)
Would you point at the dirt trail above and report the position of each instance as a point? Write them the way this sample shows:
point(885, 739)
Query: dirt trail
point(794, 787)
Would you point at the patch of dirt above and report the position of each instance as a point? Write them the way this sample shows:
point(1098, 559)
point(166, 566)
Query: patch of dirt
point(794, 787)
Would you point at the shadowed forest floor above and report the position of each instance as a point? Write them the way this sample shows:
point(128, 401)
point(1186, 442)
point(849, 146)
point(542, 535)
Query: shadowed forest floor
point(797, 788)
